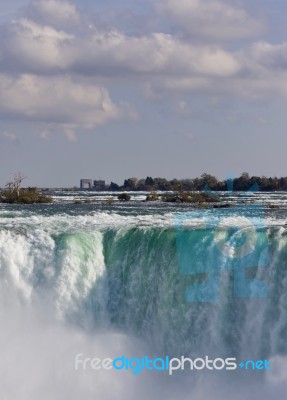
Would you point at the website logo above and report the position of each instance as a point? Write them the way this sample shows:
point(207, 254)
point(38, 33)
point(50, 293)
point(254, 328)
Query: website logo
point(167, 364)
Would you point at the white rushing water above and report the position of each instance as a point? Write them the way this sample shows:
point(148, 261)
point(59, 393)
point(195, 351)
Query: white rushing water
point(128, 281)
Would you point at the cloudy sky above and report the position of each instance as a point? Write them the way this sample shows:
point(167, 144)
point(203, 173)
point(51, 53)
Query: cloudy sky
point(113, 89)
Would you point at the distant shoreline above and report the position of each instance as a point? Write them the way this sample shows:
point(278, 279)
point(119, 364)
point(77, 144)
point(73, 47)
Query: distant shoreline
point(243, 183)
point(205, 182)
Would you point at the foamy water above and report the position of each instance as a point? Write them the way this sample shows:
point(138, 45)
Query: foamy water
point(107, 280)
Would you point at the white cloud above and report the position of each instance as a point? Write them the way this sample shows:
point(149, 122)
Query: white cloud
point(57, 13)
point(71, 135)
point(28, 46)
point(57, 68)
point(261, 73)
point(39, 49)
point(210, 19)
point(9, 136)
point(158, 53)
point(59, 100)
point(45, 135)
point(265, 56)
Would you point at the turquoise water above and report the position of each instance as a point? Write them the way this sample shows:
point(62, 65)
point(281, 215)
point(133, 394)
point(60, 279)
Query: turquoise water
point(180, 280)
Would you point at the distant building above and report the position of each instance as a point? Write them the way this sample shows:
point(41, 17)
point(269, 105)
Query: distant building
point(99, 185)
point(86, 183)
point(90, 184)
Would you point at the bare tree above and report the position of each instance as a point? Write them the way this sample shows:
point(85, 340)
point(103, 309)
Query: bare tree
point(15, 185)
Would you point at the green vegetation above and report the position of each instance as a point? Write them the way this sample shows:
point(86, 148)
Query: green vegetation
point(273, 206)
point(124, 197)
point(180, 196)
point(153, 196)
point(187, 197)
point(14, 194)
point(203, 183)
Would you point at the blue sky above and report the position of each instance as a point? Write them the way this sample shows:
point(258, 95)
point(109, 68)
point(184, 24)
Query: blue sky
point(169, 88)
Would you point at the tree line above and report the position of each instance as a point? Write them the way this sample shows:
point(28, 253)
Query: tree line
point(241, 183)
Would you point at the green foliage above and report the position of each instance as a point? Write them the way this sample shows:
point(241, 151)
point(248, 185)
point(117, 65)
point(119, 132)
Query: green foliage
point(25, 196)
point(14, 194)
point(153, 196)
point(130, 184)
point(187, 197)
point(149, 181)
point(205, 182)
point(114, 186)
point(124, 197)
